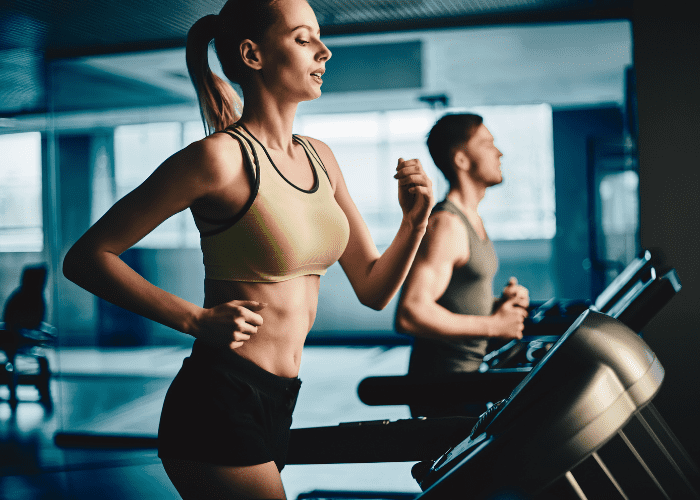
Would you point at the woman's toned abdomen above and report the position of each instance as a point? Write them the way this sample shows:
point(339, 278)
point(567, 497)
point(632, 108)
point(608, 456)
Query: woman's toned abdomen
point(287, 319)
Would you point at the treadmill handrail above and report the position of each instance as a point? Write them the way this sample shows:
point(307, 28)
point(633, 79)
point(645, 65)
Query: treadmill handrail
point(472, 387)
point(619, 286)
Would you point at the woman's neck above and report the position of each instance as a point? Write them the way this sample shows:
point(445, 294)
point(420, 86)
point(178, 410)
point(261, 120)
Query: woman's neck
point(269, 120)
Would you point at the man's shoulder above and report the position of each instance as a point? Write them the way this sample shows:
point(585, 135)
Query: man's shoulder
point(445, 220)
point(445, 229)
point(446, 238)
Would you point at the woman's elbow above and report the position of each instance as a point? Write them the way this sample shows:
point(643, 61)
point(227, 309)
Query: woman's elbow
point(76, 264)
point(71, 265)
point(373, 304)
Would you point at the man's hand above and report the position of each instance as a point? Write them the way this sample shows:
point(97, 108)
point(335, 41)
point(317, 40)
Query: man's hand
point(508, 321)
point(517, 293)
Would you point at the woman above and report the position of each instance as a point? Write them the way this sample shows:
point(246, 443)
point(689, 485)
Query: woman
point(273, 212)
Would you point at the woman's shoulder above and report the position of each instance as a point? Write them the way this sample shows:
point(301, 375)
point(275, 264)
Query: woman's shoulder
point(318, 145)
point(326, 156)
point(323, 150)
point(218, 156)
point(216, 146)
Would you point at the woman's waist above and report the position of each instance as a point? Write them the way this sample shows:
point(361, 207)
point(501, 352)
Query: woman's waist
point(293, 294)
point(291, 302)
point(288, 315)
point(275, 346)
point(230, 361)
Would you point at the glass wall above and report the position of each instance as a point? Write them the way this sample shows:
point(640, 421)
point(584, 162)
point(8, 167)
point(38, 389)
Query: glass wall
point(138, 149)
point(21, 224)
point(367, 146)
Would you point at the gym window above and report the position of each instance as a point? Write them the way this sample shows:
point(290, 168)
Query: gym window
point(21, 224)
point(138, 151)
point(367, 146)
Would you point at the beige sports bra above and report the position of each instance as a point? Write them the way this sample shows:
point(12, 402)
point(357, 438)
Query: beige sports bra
point(283, 231)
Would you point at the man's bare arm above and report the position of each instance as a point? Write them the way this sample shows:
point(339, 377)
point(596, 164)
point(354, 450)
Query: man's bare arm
point(443, 248)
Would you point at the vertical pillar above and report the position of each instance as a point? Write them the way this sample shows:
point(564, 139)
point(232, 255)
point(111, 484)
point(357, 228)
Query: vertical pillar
point(76, 307)
point(667, 69)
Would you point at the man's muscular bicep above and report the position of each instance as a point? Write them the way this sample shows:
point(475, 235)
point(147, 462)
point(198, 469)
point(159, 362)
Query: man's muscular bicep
point(437, 257)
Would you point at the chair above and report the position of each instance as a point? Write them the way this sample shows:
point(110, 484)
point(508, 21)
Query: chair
point(24, 335)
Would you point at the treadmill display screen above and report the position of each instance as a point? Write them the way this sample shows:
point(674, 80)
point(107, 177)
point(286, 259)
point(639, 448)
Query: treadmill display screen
point(548, 355)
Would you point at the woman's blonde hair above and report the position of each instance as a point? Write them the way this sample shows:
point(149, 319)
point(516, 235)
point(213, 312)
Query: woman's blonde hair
point(219, 104)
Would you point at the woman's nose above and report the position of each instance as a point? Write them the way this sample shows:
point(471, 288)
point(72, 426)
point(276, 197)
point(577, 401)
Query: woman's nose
point(324, 53)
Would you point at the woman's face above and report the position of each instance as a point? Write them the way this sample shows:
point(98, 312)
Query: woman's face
point(293, 57)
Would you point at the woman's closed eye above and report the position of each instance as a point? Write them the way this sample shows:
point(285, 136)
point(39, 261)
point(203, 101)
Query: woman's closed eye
point(302, 42)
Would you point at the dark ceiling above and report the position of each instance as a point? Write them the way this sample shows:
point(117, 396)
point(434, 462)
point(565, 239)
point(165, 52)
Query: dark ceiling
point(33, 32)
point(85, 27)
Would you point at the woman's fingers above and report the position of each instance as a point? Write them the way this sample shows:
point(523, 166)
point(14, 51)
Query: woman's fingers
point(424, 190)
point(410, 170)
point(407, 163)
point(418, 179)
point(232, 323)
point(252, 305)
point(246, 309)
point(243, 326)
point(251, 317)
point(415, 190)
point(240, 336)
point(413, 178)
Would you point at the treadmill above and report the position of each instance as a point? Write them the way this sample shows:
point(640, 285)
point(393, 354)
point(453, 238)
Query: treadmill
point(547, 321)
point(643, 296)
point(580, 425)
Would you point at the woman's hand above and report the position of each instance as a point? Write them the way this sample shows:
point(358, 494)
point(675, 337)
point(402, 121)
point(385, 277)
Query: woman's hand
point(415, 192)
point(230, 324)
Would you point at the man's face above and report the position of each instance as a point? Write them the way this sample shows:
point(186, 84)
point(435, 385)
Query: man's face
point(484, 157)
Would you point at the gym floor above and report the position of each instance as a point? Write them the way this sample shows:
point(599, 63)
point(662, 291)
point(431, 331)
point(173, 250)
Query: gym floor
point(121, 392)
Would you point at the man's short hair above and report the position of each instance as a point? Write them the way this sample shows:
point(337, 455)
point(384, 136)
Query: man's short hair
point(450, 132)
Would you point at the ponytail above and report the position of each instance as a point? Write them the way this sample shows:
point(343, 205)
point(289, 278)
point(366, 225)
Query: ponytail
point(219, 104)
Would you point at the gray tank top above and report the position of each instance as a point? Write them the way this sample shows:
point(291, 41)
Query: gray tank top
point(470, 291)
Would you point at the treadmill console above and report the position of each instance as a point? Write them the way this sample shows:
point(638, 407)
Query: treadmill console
point(588, 384)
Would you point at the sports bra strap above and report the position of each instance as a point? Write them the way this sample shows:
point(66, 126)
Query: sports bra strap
point(311, 151)
point(248, 150)
point(253, 167)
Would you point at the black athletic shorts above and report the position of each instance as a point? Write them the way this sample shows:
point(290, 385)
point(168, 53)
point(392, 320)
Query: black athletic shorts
point(224, 409)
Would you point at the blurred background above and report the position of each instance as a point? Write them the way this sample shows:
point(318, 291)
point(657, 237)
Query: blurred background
point(593, 104)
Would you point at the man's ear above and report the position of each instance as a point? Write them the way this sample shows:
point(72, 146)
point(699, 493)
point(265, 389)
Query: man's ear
point(461, 160)
point(250, 53)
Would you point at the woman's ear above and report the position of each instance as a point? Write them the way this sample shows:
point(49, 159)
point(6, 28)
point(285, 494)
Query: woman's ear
point(250, 53)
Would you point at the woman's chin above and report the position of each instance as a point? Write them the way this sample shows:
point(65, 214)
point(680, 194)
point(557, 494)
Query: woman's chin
point(306, 95)
point(315, 94)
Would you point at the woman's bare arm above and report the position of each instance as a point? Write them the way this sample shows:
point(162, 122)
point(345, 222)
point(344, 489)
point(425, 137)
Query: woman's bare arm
point(377, 277)
point(204, 169)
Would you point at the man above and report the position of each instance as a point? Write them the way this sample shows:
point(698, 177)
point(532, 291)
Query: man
point(447, 300)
